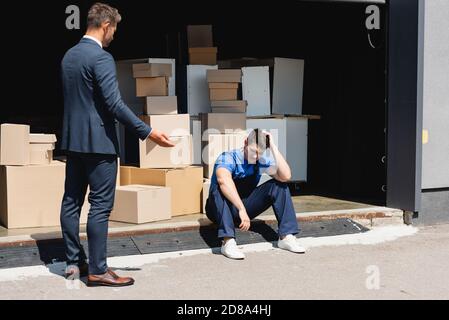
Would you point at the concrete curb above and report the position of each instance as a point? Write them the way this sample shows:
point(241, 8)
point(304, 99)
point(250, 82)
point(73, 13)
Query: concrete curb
point(368, 217)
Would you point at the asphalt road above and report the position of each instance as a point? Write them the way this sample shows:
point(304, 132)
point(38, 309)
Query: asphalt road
point(386, 263)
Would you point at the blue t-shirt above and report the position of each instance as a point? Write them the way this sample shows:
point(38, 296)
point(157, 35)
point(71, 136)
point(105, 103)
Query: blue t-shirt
point(239, 167)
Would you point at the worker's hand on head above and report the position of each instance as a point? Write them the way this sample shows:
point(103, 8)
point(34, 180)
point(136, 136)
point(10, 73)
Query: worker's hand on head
point(268, 135)
point(161, 139)
point(246, 222)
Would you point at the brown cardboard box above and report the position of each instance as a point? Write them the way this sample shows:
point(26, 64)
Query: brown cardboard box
point(203, 56)
point(14, 144)
point(229, 109)
point(222, 123)
point(199, 36)
point(222, 94)
point(224, 75)
point(150, 70)
point(146, 87)
point(223, 85)
point(141, 204)
point(237, 106)
point(30, 196)
point(205, 194)
point(216, 145)
point(155, 156)
point(42, 138)
point(174, 125)
point(161, 105)
point(41, 153)
point(185, 184)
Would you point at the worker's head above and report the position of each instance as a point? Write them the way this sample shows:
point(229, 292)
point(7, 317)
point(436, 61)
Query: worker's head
point(255, 145)
point(102, 21)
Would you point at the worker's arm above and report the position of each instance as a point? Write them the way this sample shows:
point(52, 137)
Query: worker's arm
point(229, 190)
point(280, 170)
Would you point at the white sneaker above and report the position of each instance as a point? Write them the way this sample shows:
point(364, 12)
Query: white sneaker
point(290, 243)
point(230, 250)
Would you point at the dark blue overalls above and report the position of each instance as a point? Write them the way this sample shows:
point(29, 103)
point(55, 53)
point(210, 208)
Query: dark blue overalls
point(256, 200)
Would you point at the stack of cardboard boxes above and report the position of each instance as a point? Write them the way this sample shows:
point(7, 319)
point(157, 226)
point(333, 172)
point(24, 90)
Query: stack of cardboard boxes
point(31, 182)
point(165, 184)
point(152, 79)
point(201, 49)
point(224, 91)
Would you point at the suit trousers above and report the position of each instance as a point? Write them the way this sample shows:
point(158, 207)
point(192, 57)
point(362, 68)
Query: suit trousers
point(99, 172)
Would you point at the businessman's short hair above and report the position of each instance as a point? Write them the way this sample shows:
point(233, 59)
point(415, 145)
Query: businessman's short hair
point(100, 13)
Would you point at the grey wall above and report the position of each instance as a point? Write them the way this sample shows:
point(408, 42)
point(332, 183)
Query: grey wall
point(435, 172)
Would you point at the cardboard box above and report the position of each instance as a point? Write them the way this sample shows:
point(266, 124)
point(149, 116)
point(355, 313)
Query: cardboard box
point(185, 183)
point(197, 89)
point(31, 196)
point(176, 125)
point(41, 153)
point(150, 70)
point(141, 204)
point(229, 109)
point(199, 36)
point(161, 105)
point(154, 156)
point(216, 145)
point(214, 123)
point(256, 90)
point(195, 129)
point(205, 194)
point(203, 56)
point(42, 138)
point(14, 144)
point(223, 94)
point(146, 87)
point(41, 157)
point(224, 75)
point(237, 106)
point(42, 146)
point(223, 85)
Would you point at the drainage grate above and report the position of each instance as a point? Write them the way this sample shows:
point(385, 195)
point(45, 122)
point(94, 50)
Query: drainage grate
point(51, 251)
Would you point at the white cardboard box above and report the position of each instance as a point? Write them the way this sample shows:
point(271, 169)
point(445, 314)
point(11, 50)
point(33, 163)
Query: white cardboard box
point(195, 127)
point(256, 90)
point(198, 89)
point(288, 81)
point(288, 85)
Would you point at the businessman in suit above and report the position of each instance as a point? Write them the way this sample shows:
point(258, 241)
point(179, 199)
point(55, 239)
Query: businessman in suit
point(92, 103)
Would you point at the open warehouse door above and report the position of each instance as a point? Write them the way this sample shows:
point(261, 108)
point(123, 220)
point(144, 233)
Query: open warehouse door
point(346, 138)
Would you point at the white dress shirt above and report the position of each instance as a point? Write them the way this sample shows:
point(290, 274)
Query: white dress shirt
point(94, 39)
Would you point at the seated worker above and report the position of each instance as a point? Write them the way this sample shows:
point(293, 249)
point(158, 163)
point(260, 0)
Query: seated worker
point(235, 198)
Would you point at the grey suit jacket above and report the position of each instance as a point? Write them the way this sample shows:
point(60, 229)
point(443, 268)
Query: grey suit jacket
point(92, 102)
